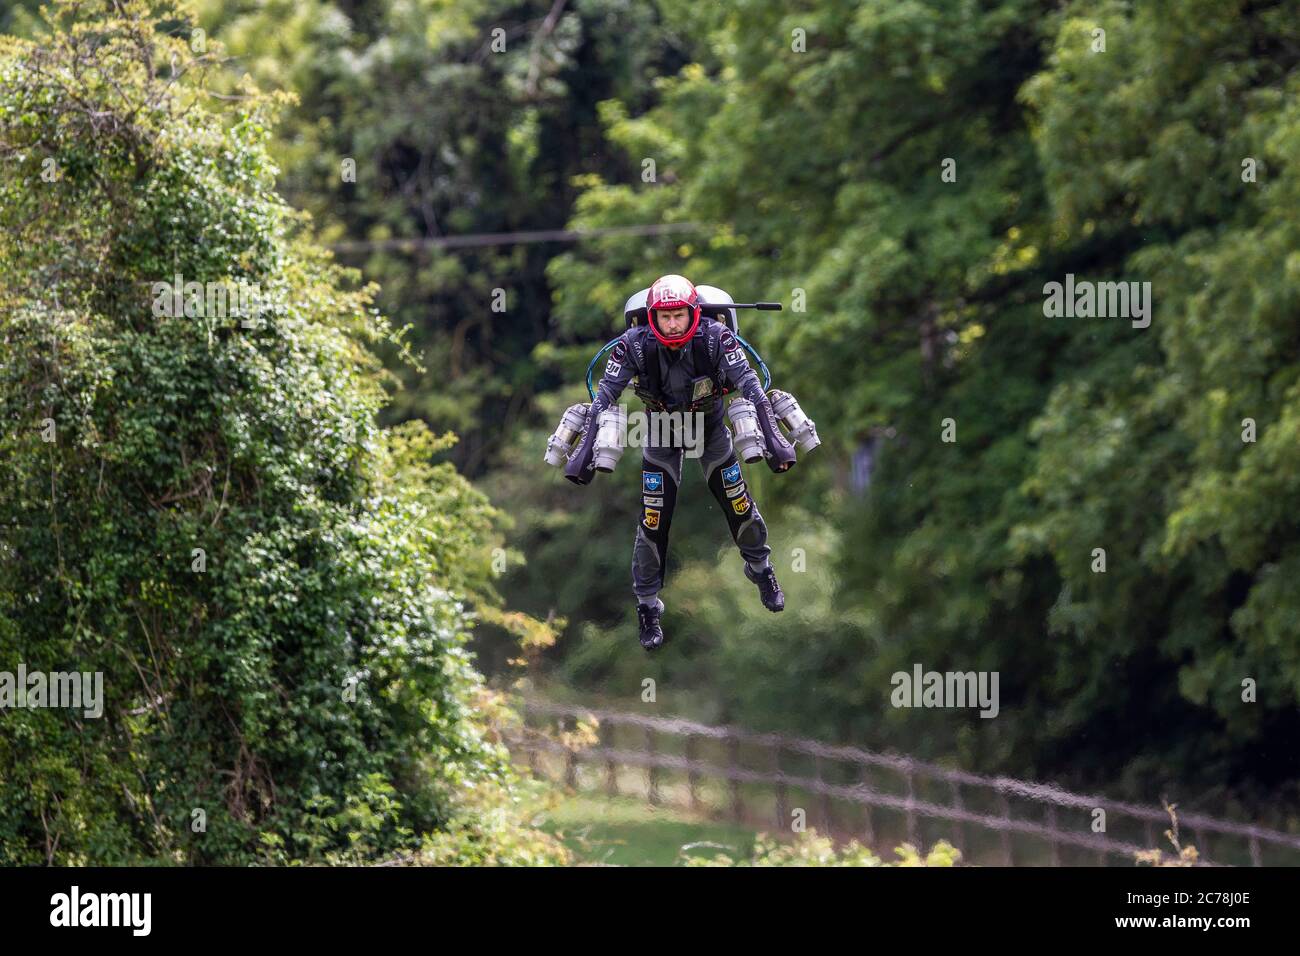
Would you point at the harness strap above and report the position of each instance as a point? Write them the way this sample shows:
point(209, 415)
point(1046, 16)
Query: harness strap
point(649, 385)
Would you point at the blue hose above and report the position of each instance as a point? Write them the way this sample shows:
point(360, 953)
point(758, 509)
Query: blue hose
point(608, 345)
point(767, 375)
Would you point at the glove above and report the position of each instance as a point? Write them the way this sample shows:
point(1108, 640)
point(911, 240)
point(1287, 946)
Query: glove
point(780, 453)
point(580, 469)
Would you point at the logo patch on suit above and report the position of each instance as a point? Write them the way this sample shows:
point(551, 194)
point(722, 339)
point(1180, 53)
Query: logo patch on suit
point(734, 357)
point(651, 519)
point(657, 502)
point(701, 387)
point(613, 368)
point(731, 475)
point(652, 481)
point(740, 505)
point(739, 489)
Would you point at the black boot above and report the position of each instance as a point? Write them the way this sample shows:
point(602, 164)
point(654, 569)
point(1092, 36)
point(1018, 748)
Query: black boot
point(768, 589)
point(652, 634)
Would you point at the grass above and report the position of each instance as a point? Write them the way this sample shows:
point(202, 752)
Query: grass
point(624, 831)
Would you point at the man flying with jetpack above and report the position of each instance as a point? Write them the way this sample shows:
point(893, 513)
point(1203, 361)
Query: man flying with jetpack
point(684, 364)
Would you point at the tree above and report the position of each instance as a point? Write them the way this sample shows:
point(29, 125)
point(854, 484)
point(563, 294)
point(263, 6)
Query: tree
point(196, 501)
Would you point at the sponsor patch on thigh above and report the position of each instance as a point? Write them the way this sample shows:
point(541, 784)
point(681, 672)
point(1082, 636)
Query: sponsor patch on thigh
point(738, 490)
point(731, 474)
point(656, 502)
point(651, 519)
point(652, 482)
point(740, 505)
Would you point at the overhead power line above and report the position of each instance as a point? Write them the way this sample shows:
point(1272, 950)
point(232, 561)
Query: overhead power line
point(508, 238)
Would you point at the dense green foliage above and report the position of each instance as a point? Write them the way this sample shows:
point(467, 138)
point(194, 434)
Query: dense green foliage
point(1143, 142)
point(202, 507)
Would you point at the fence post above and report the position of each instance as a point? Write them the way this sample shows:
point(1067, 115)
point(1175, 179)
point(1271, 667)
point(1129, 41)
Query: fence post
point(533, 757)
point(1051, 825)
point(526, 738)
point(652, 771)
point(782, 814)
point(733, 761)
point(828, 823)
point(958, 828)
point(571, 769)
point(913, 837)
point(1007, 859)
point(611, 768)
point(692, 775)
point(868, 830)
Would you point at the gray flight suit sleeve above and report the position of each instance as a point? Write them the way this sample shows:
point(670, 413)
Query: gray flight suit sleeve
point(619, 371)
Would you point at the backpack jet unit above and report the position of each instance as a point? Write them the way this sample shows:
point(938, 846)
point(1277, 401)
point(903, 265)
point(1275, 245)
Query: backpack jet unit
point(749, 441)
